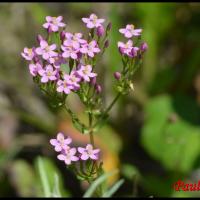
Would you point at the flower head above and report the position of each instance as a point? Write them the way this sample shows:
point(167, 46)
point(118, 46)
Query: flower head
point(91, 49)
point(86, 73)
point(35, 68)
point(73, 80)
point(70, 52)
point(28, 54)
point(93, 21)
point(48, 74)
point(47, 51)
point(130, 31)
point(64, 86)
point(88, 152)
point(68, 155)
point(53, 23)
point(60, 142)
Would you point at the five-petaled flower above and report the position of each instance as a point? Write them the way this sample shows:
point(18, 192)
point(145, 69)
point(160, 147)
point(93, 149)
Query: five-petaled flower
point(88, 152)
point(60, 142)
point(48, 74)
point(73, 80)
point(91, 49)
point(47, 51)
point(130, 31)
point(54, 23)
point(93, 21)
point(68, 155)
point(34, 68)
point(28, 54)
point(86, 73)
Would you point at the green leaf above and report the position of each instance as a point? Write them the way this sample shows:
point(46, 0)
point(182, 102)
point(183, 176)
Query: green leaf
point(98, 182)
point(129, 171)
point(56, 190)
point(113, 189)
point(44, 178)
point(171, 133)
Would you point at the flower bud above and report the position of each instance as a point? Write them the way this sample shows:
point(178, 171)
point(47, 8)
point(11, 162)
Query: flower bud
point(143, 47)
point(100, 31)
point(49, 30)
point(62, 35)
point(121, 50)
point(39, 38)
point(106, 44)
point(117, 75)
point(109, 26)
point(98, 88)
point(93, 81)
point(133, 52)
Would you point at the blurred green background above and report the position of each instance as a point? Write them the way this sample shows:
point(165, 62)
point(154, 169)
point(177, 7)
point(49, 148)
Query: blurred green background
point(154, 131)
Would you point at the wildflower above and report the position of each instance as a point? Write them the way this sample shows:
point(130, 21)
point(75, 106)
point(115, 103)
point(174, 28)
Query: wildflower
point(48, 74)
point(74, 40)
point(68, 155)
point(93, 21)
point(63, 86)
point(70, 52)
point(125, 48)
point(57, 61)
point(35, 68)
point(53, 23)
point(130, 31)
point(60, 142)
point(88, 152)
point(86, 73)
point(90, 48)
point(133, 52)
point(47, 51)
point(73, 80)
point(28, 54)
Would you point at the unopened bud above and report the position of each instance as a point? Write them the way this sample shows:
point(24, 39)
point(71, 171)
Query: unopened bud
point(143, 47)
point(133, 52)
point(93, 81)
point(121, 50)
point(39, 38)
point(106, 44)
point(100, 31)
point(62, 35)
point(98, 88)
point(109, 26)
point(117, 75)
point(49, 30)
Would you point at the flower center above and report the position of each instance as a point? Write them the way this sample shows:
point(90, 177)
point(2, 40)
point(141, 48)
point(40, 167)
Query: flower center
point(54, 20)
point(49, 73)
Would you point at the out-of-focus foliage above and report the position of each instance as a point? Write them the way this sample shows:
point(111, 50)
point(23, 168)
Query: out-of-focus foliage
point(153, 135)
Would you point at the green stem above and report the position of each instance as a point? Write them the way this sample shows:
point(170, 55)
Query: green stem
point(108, 109)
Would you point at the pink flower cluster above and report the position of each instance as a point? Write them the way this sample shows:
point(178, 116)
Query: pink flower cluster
point(69, 154)
point(128, 48)
point(46, 59)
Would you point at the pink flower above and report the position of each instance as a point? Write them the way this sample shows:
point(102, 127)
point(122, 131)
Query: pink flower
point(86, 73)
point(63, 86)
point(57, 61)
point(68, 155)
point(74, 40)
point(54, 23)
point(35, 68)
point(88, 152)
point(73, 80)
point(126, 47)
point(129, 31)
point(47, 51)
point(60, 142)
point(93, 21)
point(90, 48)
point(48, 74)
point(28, 54)
point(70, 52)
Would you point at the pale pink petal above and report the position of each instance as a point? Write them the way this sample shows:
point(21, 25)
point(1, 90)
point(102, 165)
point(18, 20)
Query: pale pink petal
point(39, 51)
point(44, 79)
point(53, 142)
point(45, 56)
point(84, 156)
point(122, 30)
point(95, 151)
point(85, 20)
point(61, 157)
point(72, 151)
point(59, 18)
point(67, 161)
point(46, 25)
point(68, 141)
point(48, 18)
point(91, 54)
point(90, 25)
point(54, 28)
point(81, 150)
point(43, 44)
point(94, 157)
point(74, 158)
point(58, 148)
point(60, 136)
point(60, 89)
point(128, 34)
